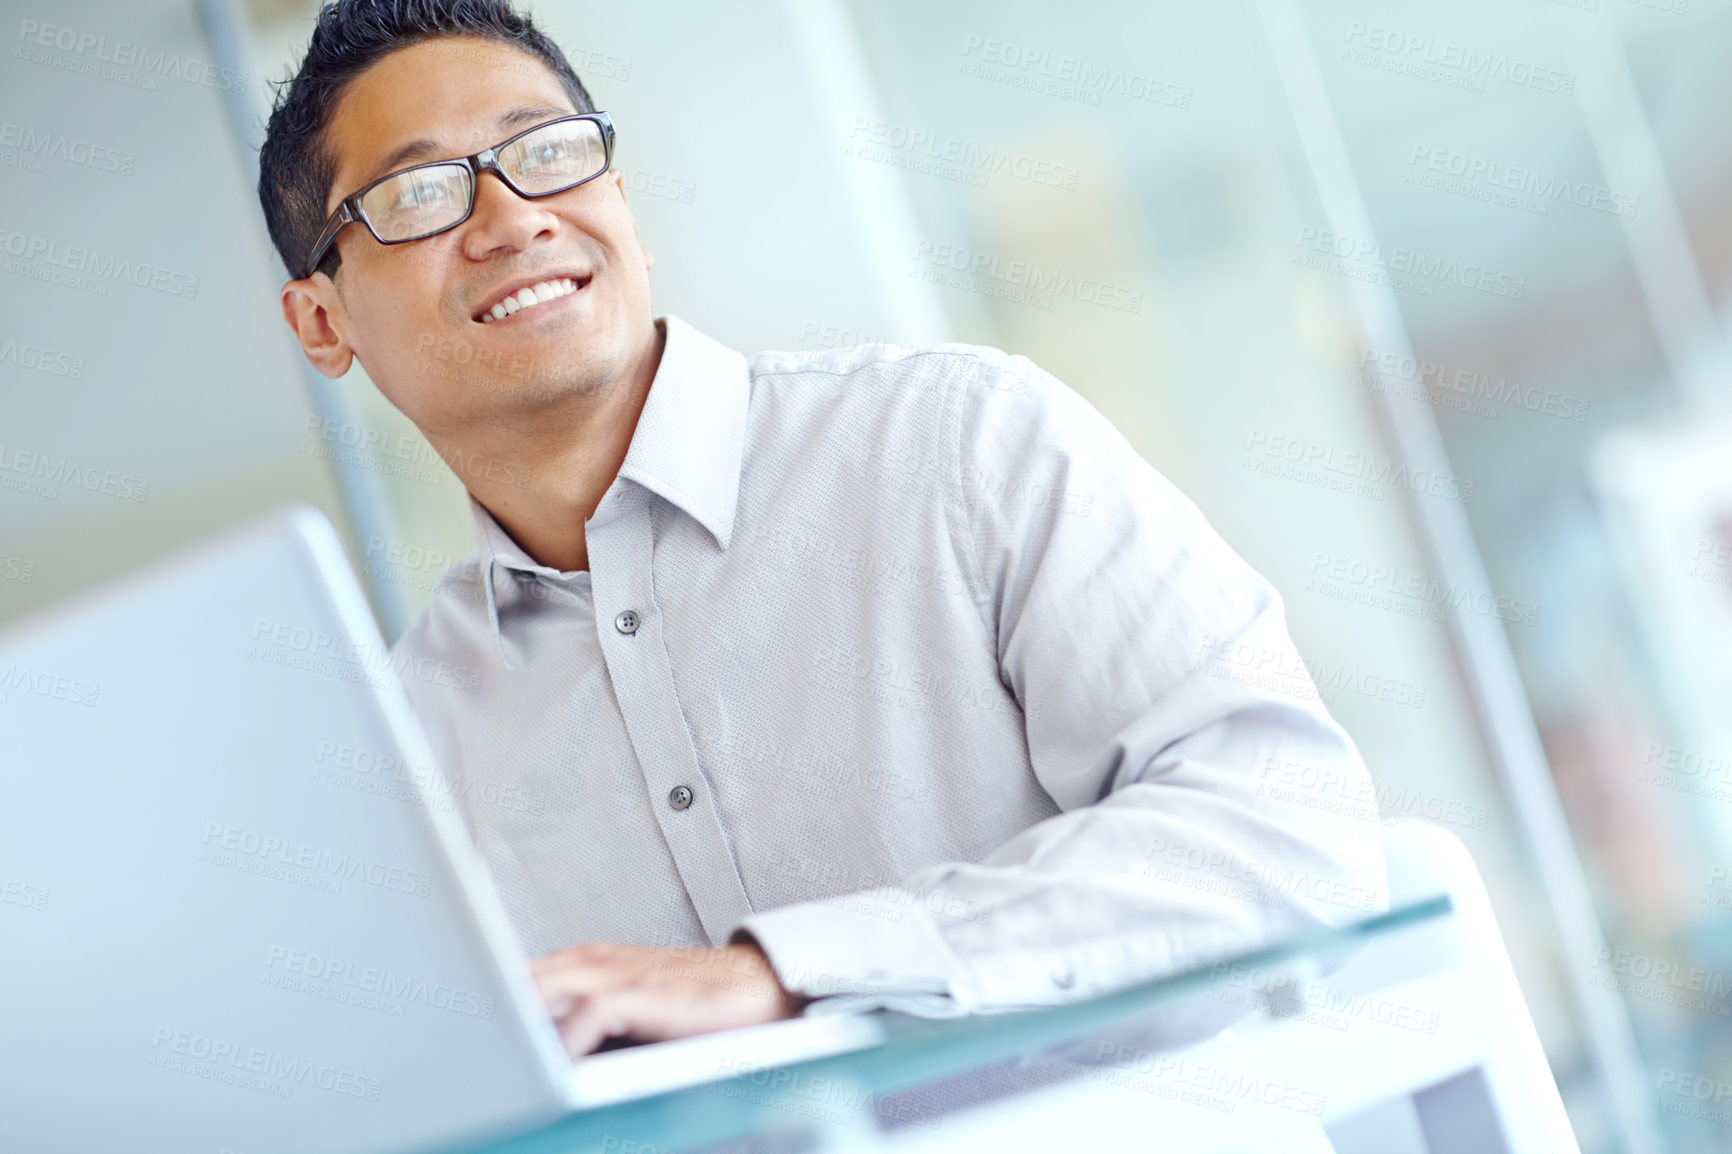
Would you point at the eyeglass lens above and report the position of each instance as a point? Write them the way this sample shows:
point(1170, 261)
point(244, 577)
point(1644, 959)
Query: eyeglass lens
point(424, 200)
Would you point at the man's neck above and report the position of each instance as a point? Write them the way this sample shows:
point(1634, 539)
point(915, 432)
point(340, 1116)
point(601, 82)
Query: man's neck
point(545, 486)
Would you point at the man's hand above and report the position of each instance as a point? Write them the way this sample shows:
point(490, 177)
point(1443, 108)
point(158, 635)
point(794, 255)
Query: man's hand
point(599, 990)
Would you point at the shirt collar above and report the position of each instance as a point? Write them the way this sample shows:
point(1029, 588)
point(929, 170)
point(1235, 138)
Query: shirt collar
point(687, 447)
point(495, 549)
point(691, 435)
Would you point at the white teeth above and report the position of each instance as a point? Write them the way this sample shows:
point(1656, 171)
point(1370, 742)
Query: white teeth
point(530, 297)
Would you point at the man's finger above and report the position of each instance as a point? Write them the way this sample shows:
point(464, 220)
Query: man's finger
point(584, 954)
point(590, 1022)
point(647, 1015)
point(577, 981)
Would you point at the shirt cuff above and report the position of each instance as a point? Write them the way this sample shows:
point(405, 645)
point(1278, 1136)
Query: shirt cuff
point(862, 951)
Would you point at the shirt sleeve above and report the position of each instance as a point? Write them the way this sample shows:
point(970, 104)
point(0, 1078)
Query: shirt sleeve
point(1210, 804)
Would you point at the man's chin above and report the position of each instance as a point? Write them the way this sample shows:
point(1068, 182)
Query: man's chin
point(565, 381)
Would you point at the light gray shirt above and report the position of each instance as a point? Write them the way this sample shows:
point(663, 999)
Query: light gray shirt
point(904, 663)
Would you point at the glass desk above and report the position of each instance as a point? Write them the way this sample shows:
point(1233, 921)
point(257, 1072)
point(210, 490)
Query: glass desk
point(918, 1052)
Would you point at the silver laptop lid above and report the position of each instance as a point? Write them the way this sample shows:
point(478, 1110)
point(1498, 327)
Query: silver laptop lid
point(237, 909)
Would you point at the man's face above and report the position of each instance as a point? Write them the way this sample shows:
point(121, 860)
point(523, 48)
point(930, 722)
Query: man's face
point(411, 311)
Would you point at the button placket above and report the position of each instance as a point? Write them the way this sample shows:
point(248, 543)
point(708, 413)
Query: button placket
point(638, 664)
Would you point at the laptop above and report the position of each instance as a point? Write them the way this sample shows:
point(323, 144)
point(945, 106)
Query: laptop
point(239, 908)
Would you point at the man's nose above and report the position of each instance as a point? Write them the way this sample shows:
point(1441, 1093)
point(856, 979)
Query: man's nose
point(503, 219)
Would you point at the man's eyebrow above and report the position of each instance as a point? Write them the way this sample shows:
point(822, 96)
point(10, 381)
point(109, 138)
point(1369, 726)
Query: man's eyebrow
point(418, 150)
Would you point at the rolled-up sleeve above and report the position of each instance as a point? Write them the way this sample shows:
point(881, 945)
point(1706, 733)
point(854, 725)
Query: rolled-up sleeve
point(1209, 802)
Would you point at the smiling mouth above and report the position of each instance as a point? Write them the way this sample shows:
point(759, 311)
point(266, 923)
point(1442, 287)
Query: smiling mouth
point(532, 296)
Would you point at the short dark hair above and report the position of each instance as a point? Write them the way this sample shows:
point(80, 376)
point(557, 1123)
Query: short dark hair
point(296, 164)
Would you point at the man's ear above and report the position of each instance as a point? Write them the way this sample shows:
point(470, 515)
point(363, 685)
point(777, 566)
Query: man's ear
point(314, 312)
point(649, 258)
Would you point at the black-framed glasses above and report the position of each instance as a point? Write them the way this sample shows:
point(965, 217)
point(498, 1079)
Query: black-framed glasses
point(427, 199)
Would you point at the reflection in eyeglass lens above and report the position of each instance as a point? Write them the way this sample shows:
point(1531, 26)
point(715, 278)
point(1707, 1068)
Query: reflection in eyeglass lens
point(418, 201)
point(425, 200)
point(555, 155)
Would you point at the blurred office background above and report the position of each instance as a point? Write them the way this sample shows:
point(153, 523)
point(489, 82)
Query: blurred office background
point(1426, 305)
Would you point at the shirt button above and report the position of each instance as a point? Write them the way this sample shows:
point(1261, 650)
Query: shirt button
point(626, 622)
point(679, 797)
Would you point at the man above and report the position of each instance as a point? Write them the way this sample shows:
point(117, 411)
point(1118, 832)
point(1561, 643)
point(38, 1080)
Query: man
point(884, 676)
